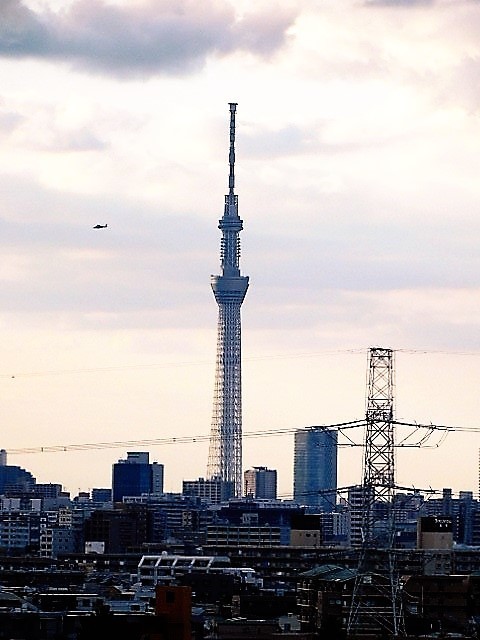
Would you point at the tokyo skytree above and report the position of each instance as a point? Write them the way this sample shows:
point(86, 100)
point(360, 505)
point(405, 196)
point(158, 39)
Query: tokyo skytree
point(229, 288)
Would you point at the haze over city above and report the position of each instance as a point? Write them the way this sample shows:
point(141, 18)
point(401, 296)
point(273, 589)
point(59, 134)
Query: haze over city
point(357, 154)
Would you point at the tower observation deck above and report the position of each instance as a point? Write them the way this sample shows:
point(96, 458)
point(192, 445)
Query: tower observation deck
point(229, 288)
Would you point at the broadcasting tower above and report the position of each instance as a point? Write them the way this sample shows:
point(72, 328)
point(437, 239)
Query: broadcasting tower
point(229, 288)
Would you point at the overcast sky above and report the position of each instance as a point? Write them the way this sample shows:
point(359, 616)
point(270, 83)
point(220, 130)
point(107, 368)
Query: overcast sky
point(358, 145)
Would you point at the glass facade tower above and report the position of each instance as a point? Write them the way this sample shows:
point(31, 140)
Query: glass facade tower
point(315, 468)
point(136, 476)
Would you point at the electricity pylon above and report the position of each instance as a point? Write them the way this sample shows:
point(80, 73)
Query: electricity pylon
point(376, 603)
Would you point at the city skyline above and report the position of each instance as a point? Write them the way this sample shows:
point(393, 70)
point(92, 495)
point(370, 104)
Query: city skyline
point(305, 497)
point(359, 146)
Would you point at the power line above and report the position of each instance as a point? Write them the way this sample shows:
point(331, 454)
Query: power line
point(173, 364)
point(443, 352)
point(165, 441)
point(172, 440)
point(190, 363)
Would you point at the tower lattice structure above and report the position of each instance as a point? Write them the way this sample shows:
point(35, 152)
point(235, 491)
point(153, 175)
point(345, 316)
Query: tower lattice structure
point(376, 603)
point(379, 452)
point(229, 288)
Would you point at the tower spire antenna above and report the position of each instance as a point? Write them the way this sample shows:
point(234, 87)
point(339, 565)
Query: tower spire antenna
point(229, 288)
point(231, 155)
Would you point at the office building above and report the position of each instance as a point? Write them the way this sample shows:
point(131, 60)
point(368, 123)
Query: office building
point(253, 514)
point(48, 490)
point(209, 491)
point(315, 468)
point(157, 479)
point(136, 476)
point(15, 480)
point(101, 495)
point(358, 497)
point(120, 528)
point(260, 482)
point(20, 531)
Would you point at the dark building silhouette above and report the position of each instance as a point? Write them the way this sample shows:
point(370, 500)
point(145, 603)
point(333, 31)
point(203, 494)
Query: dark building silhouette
point(253, 519)
point(49, 490)
point(136, 476)
point(101, 495)
point(15, 480)
point(120, 529)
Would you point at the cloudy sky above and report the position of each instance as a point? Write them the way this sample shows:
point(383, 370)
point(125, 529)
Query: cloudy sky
point(358, 145)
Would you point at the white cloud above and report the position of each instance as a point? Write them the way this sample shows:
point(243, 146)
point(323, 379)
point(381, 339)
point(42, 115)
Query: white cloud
point(166, 37)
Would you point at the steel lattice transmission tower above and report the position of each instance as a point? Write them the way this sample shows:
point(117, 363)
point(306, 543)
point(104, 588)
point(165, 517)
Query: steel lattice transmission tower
point(379, 452)
point(229, 288)
point(376, 603)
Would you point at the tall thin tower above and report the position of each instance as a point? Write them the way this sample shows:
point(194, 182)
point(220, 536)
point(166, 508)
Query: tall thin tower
point(379, 455)
point(229, 288)
point(376, 606)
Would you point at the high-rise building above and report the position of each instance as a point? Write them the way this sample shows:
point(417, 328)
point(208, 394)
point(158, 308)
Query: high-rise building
point(315, 468)
point(157, 478)
point(136, 476)
point(358, 496)
point(479, 472)
point(260, 482)
point(14, 480)
point(229, 288)
point(211, 491)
